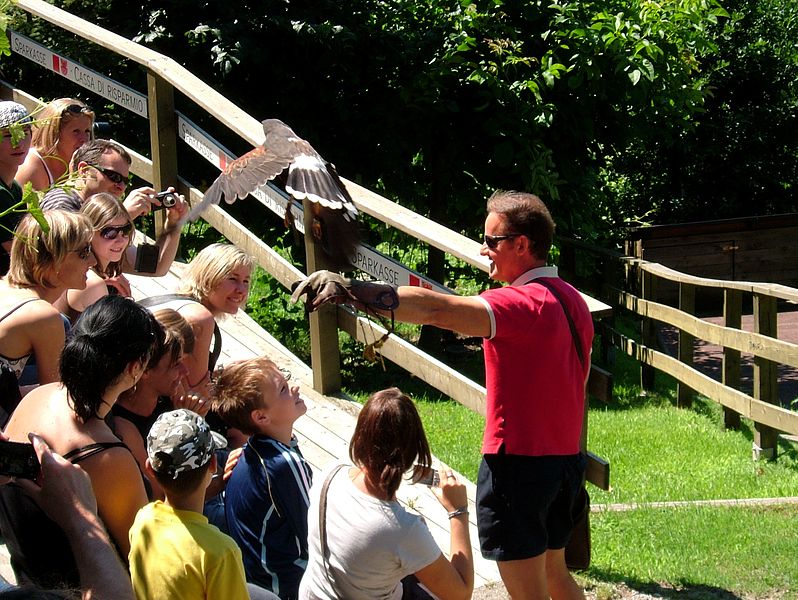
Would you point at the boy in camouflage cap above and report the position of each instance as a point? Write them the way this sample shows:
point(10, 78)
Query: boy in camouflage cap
point(174, 552)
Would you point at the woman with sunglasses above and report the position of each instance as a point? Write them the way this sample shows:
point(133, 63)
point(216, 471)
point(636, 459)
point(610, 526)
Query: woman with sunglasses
point(59, 129)
point(43, 266)
point(111, 246)
point(105, 355)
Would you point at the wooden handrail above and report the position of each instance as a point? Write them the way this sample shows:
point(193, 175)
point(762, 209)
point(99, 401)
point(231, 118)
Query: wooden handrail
point(782, 292)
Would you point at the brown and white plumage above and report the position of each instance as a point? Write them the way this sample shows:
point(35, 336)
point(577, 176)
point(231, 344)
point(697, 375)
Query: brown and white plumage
point(308, 176)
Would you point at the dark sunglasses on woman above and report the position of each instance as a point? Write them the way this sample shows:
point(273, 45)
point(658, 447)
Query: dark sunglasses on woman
point(112, 231)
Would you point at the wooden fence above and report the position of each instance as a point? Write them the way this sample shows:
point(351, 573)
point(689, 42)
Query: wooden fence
point(632, 284)
point(168, 127)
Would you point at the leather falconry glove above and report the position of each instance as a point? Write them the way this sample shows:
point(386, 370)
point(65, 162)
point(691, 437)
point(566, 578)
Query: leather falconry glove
point(322, 287)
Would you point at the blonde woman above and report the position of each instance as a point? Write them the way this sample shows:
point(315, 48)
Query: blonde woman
point(115, 254)
point(43, 266)
point(214, 284)
point(59, 129)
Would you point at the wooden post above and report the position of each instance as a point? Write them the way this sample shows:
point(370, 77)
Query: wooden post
point(684, 394)
point(325, 359)
point(765, 377)
point(163, 138)
point(649, 329)
point(732, 317)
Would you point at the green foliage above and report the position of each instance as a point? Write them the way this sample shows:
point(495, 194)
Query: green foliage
point(739, 157)
point(438, 103)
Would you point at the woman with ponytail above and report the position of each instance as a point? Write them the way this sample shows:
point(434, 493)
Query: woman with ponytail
point(371, 546)
point(105, 355)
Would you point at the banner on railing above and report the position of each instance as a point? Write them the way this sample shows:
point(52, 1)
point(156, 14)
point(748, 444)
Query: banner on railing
point(91, 80)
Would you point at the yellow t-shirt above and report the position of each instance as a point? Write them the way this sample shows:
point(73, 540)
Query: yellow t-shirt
point(178, 555)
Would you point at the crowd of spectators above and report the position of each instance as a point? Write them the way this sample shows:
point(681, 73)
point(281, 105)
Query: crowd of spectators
point(188, 473)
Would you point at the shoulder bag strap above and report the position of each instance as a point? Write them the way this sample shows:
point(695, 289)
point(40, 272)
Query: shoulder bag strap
point(577, 341)
point(216, 351)
point(325, 549)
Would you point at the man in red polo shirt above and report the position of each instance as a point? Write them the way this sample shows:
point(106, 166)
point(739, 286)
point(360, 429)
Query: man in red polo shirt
point(532, 467)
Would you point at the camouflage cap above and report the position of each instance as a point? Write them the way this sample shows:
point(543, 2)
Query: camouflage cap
point(181, 440)
point(13, 112)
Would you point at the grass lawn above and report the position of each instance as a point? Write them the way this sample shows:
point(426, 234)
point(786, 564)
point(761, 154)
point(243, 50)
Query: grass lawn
point(660, 453)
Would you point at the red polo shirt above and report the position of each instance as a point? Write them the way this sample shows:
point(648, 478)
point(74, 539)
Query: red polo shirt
point(535, 382)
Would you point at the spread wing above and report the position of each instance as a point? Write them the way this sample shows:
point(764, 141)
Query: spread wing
point(311, 177)
point(242, 177)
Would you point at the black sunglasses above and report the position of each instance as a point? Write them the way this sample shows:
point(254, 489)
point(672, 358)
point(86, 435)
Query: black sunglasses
point(83, 253)
point(112, 231)
point(492, 241)
point(112, 175)
point(77, 109)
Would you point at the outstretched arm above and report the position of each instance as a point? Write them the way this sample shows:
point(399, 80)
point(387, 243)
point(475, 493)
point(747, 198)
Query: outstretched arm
point(464, 314)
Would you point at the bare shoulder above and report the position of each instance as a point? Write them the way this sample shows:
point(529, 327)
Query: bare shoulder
point(95, 289)
point(196, 314)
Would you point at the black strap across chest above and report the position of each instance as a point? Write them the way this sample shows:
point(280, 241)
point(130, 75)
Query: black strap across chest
point(580, 352)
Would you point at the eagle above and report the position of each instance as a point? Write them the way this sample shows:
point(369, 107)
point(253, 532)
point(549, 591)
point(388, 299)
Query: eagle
point(305, 174)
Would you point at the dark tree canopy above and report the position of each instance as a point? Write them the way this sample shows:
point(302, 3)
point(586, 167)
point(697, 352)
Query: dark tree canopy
point(611, 110)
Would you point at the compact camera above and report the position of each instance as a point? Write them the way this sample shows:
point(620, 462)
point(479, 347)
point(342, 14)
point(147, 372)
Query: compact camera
point(18, 460)
point(431, 477)
point(168, 200)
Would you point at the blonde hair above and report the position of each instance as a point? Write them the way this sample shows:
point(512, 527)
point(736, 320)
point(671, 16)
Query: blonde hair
point(178, 334)
point(237, 391)
point(50, 120)
point(34, 252)
point(210, 267)
point(102, 209)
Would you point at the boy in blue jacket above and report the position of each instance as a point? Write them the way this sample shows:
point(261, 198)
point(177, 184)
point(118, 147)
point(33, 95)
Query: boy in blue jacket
point(267, 495)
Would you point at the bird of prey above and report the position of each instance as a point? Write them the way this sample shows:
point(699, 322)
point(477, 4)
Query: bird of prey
point(305, 174)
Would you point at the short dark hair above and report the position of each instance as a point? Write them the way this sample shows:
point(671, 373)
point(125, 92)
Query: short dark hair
point(108, 336)
point(91, 151)
point(525, 214)
point(389, 439)
point(184, 482)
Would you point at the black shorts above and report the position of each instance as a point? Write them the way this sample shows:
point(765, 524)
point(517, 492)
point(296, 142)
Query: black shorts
point(525, 504)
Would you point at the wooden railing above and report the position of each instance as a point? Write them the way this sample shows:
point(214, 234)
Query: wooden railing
point(614, 275)
point(164, 78)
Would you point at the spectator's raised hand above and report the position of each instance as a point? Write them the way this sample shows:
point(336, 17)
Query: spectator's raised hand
point(122, 285)
point(232, 461)
point(452, 492)
point(140, 202)
point(192, 401)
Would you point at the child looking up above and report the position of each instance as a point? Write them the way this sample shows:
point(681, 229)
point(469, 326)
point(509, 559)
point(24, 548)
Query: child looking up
point(267, 495)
